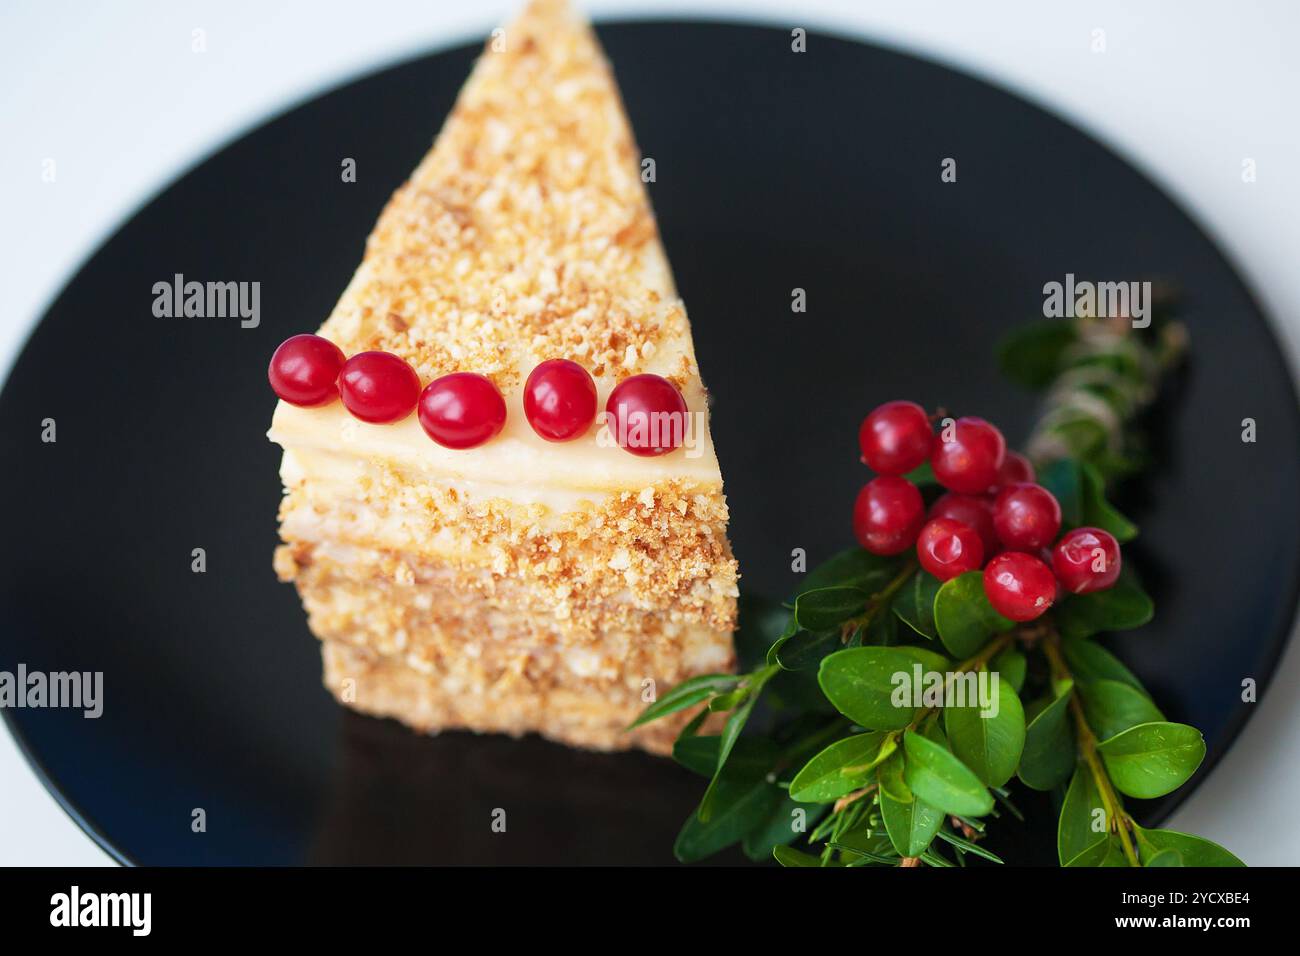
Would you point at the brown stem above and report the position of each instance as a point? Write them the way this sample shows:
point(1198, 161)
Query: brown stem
point(879, 600)
point(989, 651)
point(1115, 814)
point(853, 797)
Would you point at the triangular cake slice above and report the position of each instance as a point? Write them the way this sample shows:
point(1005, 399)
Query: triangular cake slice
point(522, 585)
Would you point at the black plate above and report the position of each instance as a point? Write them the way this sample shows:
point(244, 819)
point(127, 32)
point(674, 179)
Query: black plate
point(775, 171)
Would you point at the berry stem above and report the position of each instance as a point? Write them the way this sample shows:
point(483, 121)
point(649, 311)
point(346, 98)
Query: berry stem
point(981, 658)
point(880, 599)
point(1116, 816)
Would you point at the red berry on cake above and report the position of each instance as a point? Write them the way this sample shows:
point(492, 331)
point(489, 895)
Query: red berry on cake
point(888, 514)
point(947, 548)
point(462, 410)
point(560, 400)
point(1026, 516)
point(305, 370)
point(1019, 586)
point(895, 438)
point(1086, 560)
point(967, 456)
point(647, 415)
point(378, 387)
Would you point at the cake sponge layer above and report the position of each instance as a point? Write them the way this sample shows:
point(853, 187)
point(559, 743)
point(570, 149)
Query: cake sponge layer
point(385, 687)
point(439, 624)
point(663, 547)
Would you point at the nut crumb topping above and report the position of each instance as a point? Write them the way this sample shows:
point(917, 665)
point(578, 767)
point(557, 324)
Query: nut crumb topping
point(526, 233)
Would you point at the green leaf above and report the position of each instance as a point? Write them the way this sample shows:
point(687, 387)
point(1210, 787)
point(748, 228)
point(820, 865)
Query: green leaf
point(862, 682)
point(1012, 667)
point(989, 744)
point(922, 474)
point(1119, 608)
point(870, 844)
point(1082, 825)
point(931, 858)
point(1100, 513)
point(744, 800)
point(885, 630)
point(1084, 438)
point(1112, 707)
point(1194, 850)
point(725, 702)
point(1153, 759)
point(914, 603)
point(787, 634)
point(1032, 355)
point(889, 777)
point(1164, 858)
point(762, 623)
point(932, 729)
point(968, 846)
point(841, 768)
point(694, 724)
point(1039, 704)
point(1049, 753)
point(788, 856)
point(730, 734)
point(1115, 855)
point(853, 568)
point(911, 826)
point(1089, 661)
point(1092, 856)
point(686, 694)
point(804, 650)
point(1065, 481)
point(779, 828)
point(826, 608)
point(698, 754)
point(963, 616)
point(797, 690)
point(934, 775)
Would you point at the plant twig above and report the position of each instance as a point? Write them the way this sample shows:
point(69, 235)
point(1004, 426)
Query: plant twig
point(879, 600)
point(989, 651)
point(1116, 815)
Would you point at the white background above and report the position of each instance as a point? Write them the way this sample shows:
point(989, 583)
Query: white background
point(114, 95)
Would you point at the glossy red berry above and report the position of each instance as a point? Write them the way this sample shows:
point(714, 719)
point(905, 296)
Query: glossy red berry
point(1019, 586)
point(462, 410)
point(1087, 559)
point(647, 415)
point(1016, 468)
point(969, 459)
point(947, 548)
point(305, 370)
point(888, 515)
point(1026, 516)
point(378, 387)
point(895, 438)
point(560, 400)
point(973, 511)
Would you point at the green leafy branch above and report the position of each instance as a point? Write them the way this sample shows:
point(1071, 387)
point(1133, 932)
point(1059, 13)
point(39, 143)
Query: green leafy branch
point(903, 710)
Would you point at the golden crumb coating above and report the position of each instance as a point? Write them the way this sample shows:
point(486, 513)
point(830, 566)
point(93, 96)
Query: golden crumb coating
point(526, 233)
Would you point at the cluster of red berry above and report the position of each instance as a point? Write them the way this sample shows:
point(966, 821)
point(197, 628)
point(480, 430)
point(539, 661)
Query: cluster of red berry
point(993, 509)
point(464, 409)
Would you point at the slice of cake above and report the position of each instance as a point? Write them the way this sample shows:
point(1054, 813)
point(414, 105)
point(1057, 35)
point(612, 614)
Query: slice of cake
point(522, 584)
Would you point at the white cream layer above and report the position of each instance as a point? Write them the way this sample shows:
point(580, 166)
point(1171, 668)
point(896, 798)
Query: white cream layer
point(518, 464)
